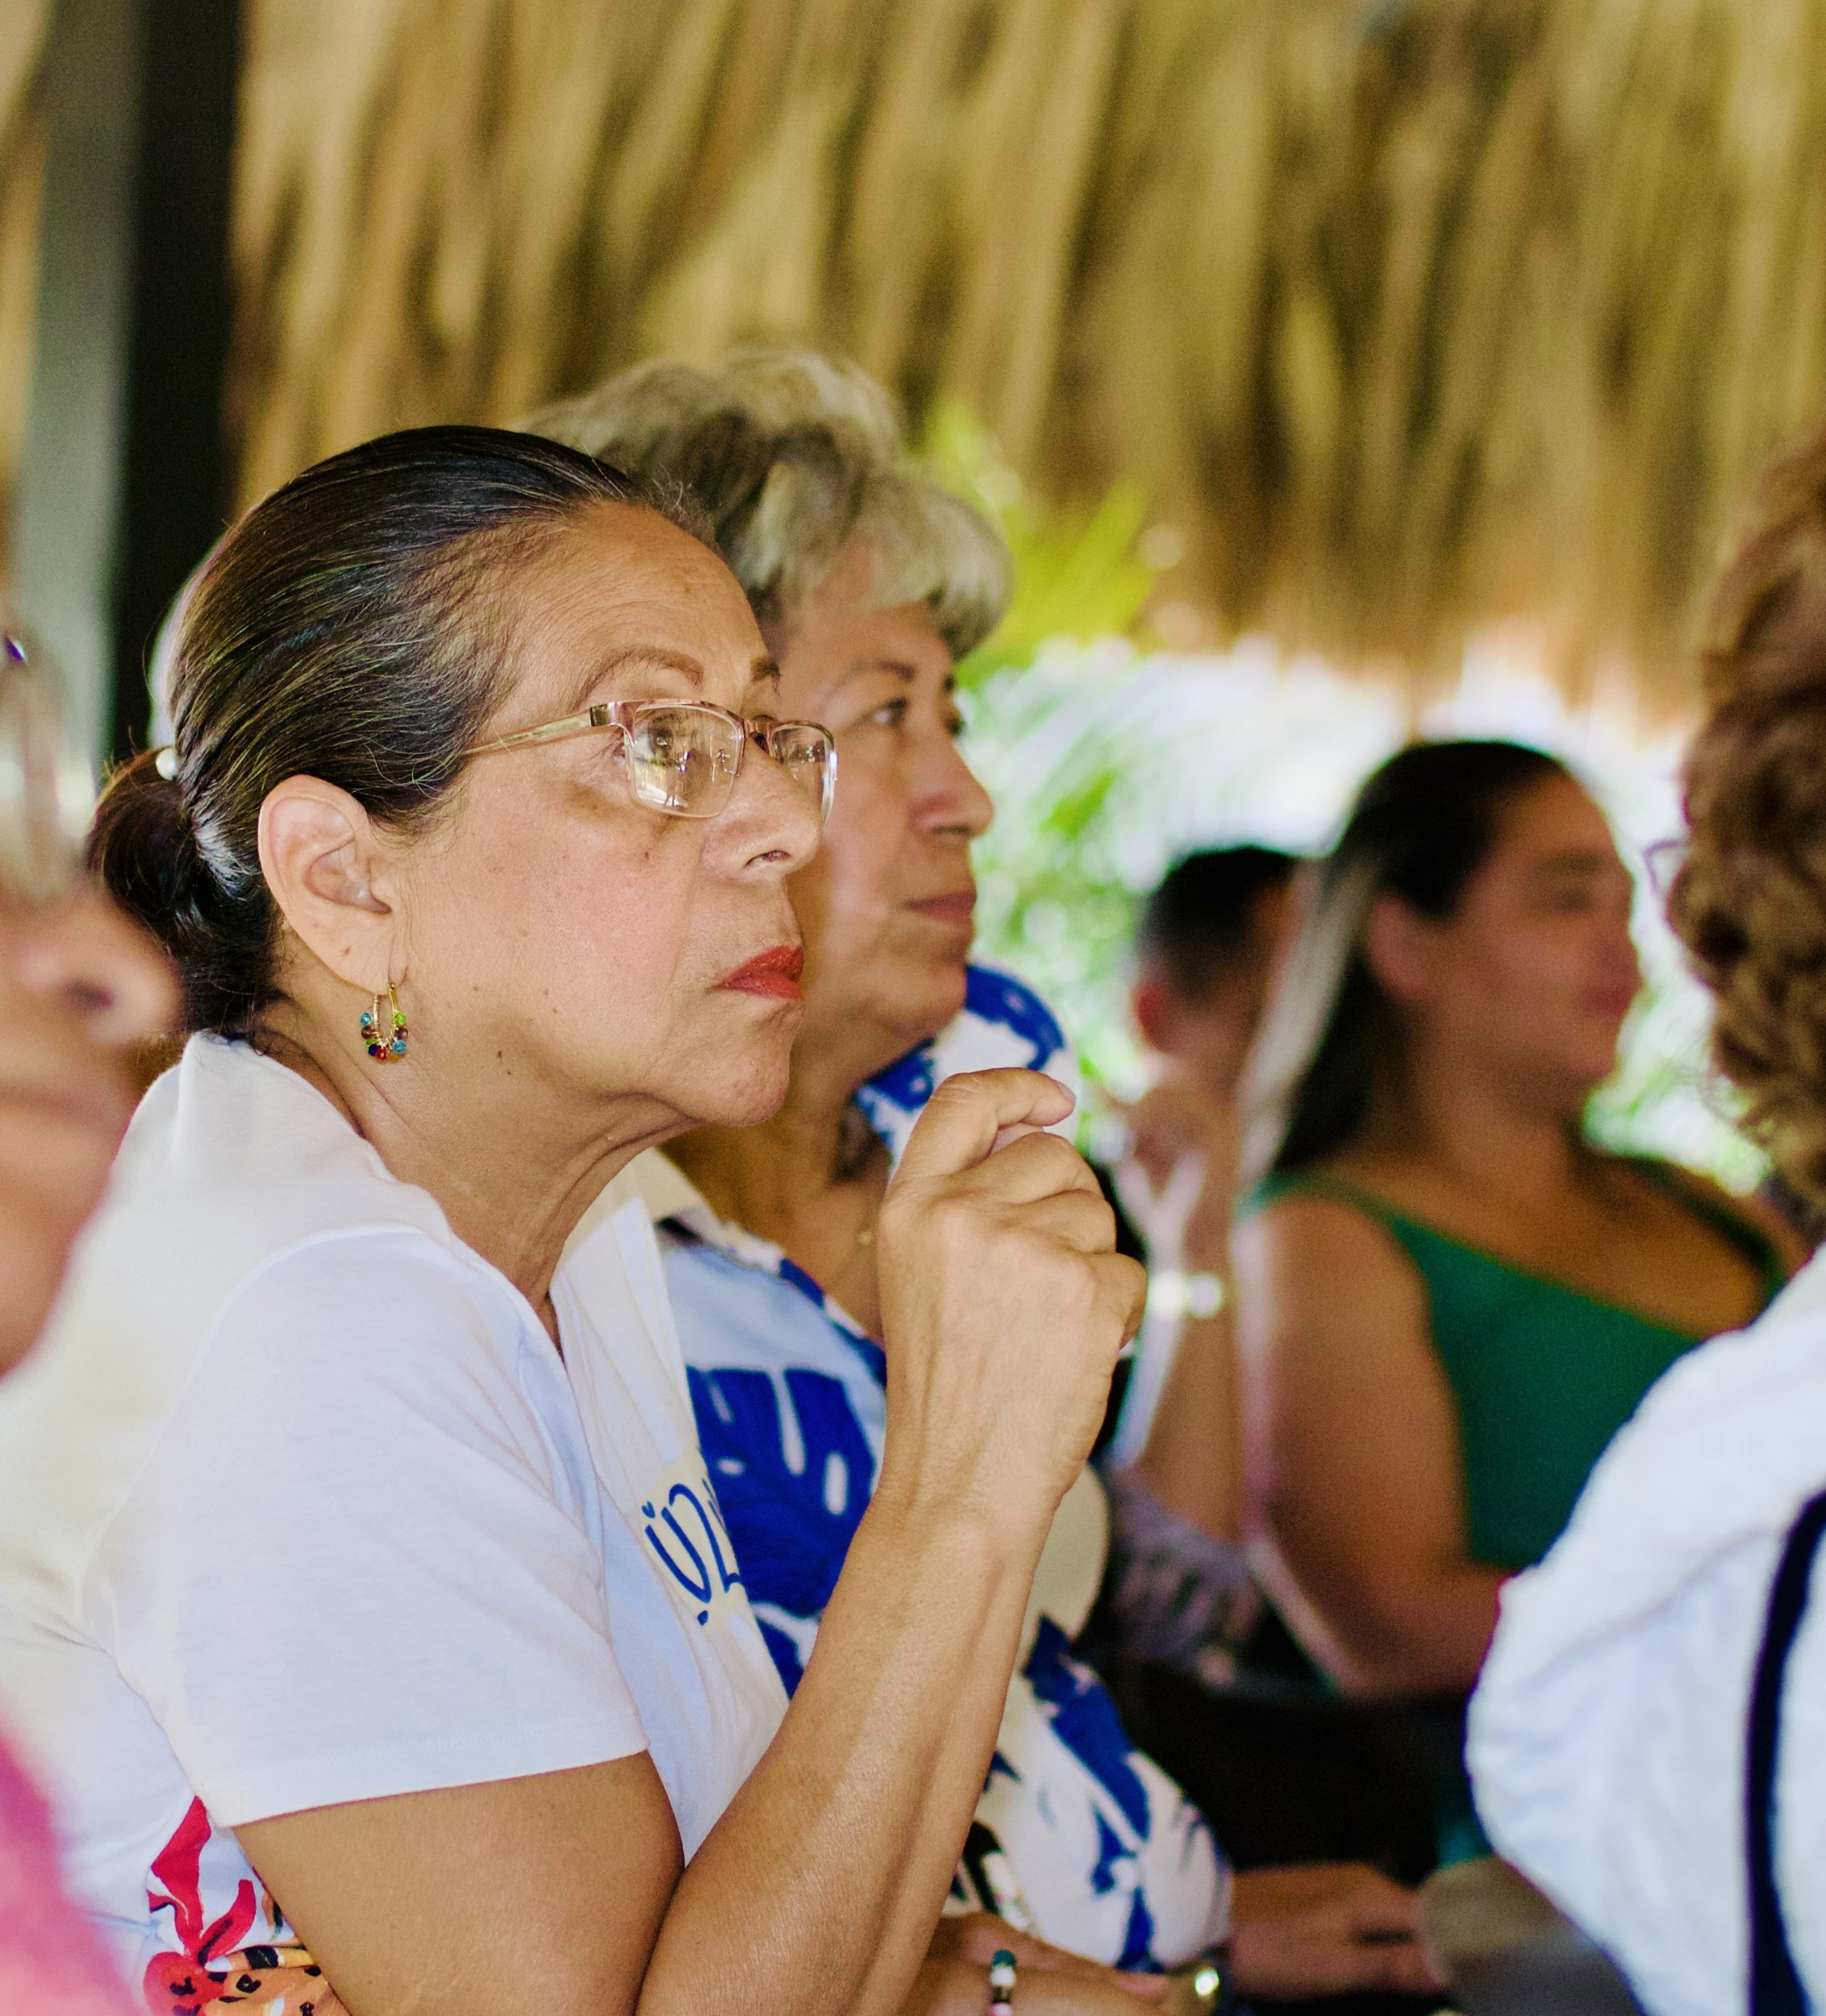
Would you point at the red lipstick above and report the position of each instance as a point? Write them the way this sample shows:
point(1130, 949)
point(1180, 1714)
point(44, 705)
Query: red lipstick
point(774, 973)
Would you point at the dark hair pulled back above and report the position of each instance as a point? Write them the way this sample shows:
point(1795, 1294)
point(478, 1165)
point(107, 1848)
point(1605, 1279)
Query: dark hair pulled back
point(1422, 826)
point(351, 628)
point(1202, 921)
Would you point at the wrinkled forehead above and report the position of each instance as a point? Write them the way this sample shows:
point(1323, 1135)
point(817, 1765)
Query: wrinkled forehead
point(841, 630)
point(622, 601)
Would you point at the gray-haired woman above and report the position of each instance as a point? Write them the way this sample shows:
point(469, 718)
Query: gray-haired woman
point(870, 580)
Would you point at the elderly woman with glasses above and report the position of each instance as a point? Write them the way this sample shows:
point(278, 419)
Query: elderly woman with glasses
point(870, 581)
point(364, 1597)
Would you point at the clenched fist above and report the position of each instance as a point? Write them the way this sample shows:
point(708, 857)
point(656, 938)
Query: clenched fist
point(1004, 1305)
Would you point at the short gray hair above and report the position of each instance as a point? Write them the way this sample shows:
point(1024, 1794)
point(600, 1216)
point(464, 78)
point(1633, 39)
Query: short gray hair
point(796, 456)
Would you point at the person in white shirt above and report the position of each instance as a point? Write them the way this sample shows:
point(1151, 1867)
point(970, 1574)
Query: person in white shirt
point(1649, 1739)
point(364, 1601)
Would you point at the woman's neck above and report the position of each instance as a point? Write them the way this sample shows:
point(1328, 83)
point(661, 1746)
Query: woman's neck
point(775, 1178)
point(1514, 1149)
point(512, 1174)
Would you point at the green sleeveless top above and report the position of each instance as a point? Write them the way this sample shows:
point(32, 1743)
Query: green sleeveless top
point(1543, 1374)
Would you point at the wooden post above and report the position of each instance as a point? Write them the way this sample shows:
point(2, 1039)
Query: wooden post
point(67, 484)
point(179, 483)
point(123, 483)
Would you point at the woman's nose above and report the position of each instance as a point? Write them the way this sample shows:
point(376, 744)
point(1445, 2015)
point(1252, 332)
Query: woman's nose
point(953, 799)
point(770, 820)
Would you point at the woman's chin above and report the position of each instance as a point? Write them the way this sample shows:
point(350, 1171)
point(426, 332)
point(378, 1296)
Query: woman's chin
point(920, 997)
point(743, 1099)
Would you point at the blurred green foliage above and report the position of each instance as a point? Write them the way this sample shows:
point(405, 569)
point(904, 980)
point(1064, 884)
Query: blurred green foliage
point(1053, 904)
point(1079, 571)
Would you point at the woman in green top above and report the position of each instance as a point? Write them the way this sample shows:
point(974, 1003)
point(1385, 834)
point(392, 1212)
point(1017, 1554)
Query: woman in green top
point(1448, 1299)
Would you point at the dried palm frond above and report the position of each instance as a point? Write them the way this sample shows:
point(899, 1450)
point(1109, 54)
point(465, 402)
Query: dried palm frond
point(1407, 313)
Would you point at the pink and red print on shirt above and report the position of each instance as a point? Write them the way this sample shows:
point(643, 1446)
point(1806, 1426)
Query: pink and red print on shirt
point(236, 1951)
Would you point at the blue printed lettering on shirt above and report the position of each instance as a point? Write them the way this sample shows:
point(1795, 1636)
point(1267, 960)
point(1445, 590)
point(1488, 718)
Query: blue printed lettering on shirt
point(683, 1526)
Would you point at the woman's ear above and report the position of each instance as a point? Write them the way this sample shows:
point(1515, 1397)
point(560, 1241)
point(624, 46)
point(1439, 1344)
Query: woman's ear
point(322, 858)
point(1400, 947)
point(1152, 1002)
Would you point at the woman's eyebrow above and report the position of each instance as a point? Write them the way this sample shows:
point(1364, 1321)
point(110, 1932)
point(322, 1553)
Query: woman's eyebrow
point(1576, 861)
point(655, 657)
point(896, 667)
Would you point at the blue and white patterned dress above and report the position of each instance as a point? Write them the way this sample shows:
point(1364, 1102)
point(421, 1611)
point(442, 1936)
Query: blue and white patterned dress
point(1078, 1837)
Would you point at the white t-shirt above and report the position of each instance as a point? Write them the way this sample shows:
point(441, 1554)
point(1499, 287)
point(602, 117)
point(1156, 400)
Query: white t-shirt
point(1608, 1734)
point(299, 1505)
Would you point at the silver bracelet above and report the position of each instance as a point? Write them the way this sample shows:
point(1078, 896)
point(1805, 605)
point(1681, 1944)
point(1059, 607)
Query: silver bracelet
point(1174, 1293)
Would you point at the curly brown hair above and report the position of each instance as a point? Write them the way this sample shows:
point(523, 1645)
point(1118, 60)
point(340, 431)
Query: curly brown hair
point(1749, 900)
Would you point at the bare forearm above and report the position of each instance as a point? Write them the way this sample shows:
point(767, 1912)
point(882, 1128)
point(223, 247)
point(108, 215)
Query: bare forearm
point(1410, 1637)
point(1194, 1457)
point(817, 1891)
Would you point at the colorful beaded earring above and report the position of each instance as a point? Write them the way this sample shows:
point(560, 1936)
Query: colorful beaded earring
point(384, 1036)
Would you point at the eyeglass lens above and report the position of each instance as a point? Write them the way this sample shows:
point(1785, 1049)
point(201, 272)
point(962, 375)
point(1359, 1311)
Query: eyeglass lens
point(804, 753)
point(685, 760)
point(47, 789)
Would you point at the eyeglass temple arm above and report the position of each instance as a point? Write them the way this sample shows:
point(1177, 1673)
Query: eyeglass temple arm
point(597, 716)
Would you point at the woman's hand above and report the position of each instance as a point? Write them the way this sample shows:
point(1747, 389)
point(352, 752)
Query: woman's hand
point(1183, 1142)
point(76, 984)
point(1004, 1306)
point(954, 1979)
point(1326, 1928)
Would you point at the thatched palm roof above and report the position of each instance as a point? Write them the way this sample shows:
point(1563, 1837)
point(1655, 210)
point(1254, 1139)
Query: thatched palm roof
point(1405, 313)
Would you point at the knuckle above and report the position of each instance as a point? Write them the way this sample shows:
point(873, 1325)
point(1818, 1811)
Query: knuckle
point(1058, 1154)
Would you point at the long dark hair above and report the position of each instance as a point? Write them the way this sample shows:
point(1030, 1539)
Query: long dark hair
point(351, 628)
point(1422, 826)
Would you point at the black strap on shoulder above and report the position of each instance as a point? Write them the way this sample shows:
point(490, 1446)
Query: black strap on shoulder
point(1775, 1983)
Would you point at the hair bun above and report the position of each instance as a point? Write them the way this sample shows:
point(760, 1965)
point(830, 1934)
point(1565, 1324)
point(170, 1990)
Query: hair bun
point(143, 849)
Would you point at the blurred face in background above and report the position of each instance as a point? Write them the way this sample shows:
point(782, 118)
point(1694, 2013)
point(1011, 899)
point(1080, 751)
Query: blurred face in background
point(1530, 980)
point(887, 906)
point(77, 985)
point(1207, 1032)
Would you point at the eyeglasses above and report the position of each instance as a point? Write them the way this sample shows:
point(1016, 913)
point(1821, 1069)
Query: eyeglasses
point(683, 757)
point(46, 789)
point(1664, 860)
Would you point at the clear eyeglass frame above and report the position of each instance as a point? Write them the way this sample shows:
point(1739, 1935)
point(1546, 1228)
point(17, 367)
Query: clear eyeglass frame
point(683, 757)
point(1662, 861)
point(47, 785)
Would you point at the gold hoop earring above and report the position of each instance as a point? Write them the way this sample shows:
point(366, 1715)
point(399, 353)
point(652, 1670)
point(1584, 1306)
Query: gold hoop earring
point(383, 1033)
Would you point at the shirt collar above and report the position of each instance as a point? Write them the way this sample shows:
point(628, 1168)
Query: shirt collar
point(671, 1197)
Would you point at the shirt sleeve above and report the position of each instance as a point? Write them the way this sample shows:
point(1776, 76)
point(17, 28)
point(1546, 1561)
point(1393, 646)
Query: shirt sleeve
point(358, 1562)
